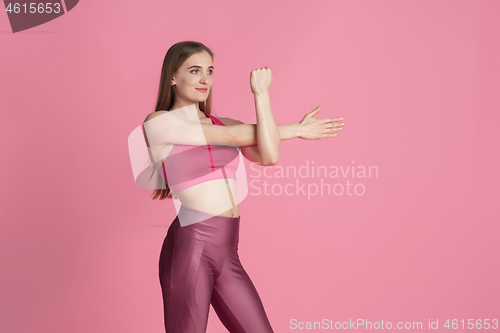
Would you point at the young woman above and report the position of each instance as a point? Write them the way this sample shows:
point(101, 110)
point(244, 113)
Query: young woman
point(199, 263)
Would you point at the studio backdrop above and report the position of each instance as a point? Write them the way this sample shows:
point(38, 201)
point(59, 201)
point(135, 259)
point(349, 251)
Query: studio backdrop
point(392, 224)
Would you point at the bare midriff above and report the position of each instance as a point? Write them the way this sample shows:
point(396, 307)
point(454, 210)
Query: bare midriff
point(216, 197)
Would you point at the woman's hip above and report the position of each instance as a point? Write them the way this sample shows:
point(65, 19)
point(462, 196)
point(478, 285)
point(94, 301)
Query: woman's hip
point(214, 229)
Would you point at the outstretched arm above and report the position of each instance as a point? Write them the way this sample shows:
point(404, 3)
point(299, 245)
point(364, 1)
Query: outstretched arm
point(308, 128)
point(287, 131)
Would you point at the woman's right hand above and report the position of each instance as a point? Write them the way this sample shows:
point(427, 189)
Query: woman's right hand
point(319, 128)
point(260, 80)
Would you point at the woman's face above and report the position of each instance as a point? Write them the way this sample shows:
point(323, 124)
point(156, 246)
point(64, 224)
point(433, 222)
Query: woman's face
point(194, 74)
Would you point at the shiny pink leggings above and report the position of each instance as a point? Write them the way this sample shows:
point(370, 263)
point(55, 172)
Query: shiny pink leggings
point(199, 265)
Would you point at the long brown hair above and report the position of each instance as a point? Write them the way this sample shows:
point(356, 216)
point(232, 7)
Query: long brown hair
point(175, 57)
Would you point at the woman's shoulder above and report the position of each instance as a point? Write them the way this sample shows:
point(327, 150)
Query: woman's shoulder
point(154, 114)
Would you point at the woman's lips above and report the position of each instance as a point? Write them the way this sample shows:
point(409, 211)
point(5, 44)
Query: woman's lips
point(202, 89)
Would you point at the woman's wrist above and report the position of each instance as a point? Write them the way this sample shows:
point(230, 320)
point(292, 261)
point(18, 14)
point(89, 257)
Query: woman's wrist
point(264, 94)
point(297, 128)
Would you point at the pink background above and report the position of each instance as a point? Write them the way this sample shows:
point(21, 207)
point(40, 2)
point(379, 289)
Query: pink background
point(416, 81)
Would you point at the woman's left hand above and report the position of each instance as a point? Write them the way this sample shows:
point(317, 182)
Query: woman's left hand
point(319, 128)
point(260, 80)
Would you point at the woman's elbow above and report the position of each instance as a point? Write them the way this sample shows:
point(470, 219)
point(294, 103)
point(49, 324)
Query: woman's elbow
point(271, 161)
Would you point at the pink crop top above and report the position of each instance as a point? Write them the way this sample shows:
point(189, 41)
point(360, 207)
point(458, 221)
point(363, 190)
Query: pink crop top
point(188, 165)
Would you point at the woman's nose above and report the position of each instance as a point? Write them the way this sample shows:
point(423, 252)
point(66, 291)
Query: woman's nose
point(204, 78)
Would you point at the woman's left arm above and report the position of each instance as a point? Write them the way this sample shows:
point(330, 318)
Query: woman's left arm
point(268, 136)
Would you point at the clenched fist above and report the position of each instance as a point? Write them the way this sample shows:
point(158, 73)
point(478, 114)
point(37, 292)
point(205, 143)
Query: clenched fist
point(260, 80)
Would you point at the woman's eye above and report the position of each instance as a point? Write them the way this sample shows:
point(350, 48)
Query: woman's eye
point(196, 70)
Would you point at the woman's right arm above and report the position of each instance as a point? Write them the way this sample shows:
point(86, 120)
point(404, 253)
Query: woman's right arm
point(175, 130)
point(164, 127)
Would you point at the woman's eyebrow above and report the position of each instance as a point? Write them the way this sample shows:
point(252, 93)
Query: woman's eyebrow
point(196, 66)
